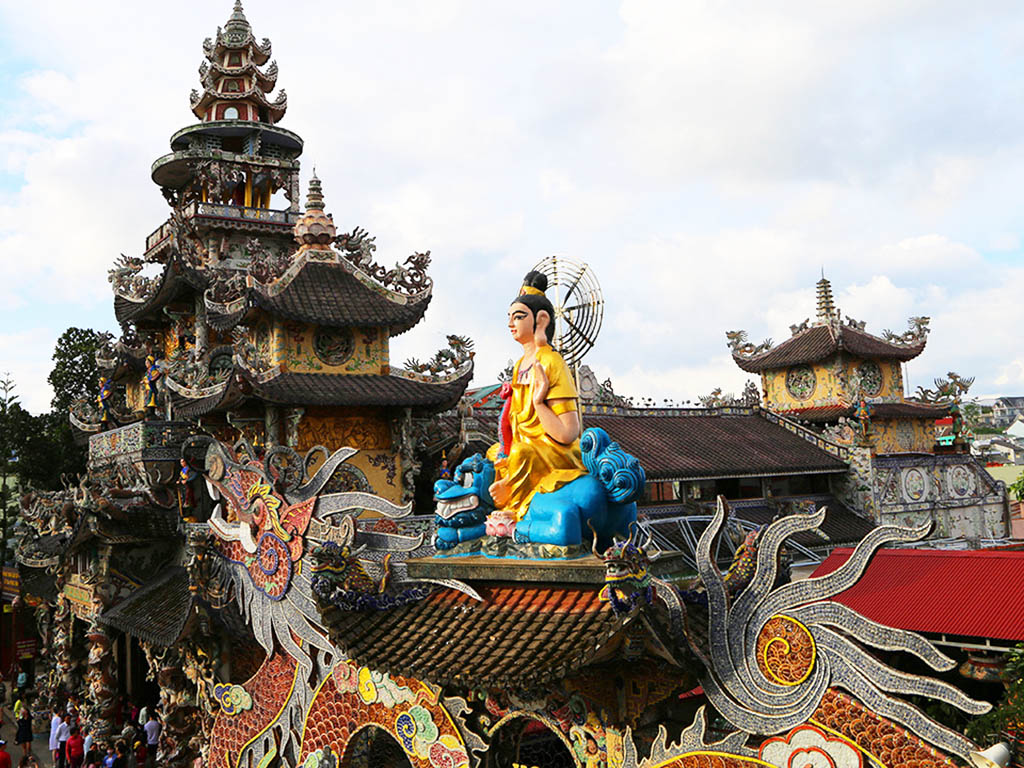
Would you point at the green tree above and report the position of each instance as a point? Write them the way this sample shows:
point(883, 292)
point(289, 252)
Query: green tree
point(1009, 713)
point(13, 430)
point(1017, 487)
point(75, 373)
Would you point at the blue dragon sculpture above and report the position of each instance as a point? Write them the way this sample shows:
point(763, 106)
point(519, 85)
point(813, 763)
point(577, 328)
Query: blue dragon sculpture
point(602, 501)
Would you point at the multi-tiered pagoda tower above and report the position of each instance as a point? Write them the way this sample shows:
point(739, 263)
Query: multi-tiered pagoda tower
point(251, 318)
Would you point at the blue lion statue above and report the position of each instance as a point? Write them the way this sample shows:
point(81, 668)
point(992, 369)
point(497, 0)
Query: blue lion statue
point(601, 502)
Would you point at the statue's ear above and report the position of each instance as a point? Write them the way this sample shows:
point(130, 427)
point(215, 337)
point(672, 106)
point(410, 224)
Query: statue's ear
point(540, 328)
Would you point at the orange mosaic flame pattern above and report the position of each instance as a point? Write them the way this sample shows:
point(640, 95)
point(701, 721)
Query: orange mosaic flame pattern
point(887, 742)
point(340, 709)
point(785, 651)
point(270, 688)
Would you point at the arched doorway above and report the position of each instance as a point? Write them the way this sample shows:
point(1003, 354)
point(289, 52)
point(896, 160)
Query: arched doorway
point(373, 747)
point(528, 743)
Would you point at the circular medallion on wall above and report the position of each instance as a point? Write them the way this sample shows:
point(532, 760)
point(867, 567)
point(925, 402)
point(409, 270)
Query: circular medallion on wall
point(870, 376)
point(800, 382)
point(959, 481)
point(221, 365)
point(333, 345)
point(914, 484)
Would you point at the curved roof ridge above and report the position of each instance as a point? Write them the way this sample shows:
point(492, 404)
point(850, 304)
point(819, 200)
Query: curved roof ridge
point(424, 378)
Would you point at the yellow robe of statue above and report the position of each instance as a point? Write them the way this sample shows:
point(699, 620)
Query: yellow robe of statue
point(536, 462)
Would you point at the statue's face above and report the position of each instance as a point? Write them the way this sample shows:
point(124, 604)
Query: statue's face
point(520, 322)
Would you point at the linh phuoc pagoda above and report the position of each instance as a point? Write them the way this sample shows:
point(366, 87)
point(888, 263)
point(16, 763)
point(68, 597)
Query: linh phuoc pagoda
point(244, 550)
point(847, 384)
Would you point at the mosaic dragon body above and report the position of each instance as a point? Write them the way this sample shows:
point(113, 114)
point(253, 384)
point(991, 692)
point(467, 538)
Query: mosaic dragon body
point(778, 661)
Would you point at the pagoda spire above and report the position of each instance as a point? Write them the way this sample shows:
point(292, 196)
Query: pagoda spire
point(826, 305)
point(238, 14)
point(315, 229)
point(234, 85)
point(315, 195)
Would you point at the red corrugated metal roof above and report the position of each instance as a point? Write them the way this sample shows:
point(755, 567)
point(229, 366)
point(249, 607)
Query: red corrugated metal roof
point(953, 592)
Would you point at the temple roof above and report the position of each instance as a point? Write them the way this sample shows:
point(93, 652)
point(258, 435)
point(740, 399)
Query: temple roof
point(330, 294)
point(702, 443)
point(904, 410)
point(828, 334)
point(175, 280)
point(521, 634)
point(961, 592)
point(363, 389)
point(821, 341)
point(287, 388)
point(132, 525)
point(156, 612)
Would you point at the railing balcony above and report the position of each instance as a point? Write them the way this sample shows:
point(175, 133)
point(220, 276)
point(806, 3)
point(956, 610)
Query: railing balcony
point(162, 233)
point(240, 212)
point(197, 209)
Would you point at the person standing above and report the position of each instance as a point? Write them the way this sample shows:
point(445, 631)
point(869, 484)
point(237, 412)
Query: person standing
point(75, 748)
point(5, 756)
point(63, 734)
point(24, 735)
point(55, 722)
point(152, 729)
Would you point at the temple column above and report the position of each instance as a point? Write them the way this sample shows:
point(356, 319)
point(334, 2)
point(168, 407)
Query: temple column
point(201, 330)
point(272, 425)
point(292, 418)
point(294, 194)
point(180, 716)
point(63, 673)
point(101, 674)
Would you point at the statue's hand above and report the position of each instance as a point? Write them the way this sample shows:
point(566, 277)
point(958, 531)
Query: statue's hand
point(540, 384)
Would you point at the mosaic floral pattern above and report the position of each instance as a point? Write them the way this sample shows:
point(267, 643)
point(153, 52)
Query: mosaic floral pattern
point(870, 376)
point(810, 747)
point(333, 345)
point(800, 382)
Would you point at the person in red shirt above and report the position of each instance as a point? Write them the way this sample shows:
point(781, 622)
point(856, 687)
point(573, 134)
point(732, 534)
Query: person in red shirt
point(75, 748)
point(5, 756)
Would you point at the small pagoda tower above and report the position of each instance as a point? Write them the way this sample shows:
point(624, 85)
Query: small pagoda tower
point(838, 377)
point(263, 323)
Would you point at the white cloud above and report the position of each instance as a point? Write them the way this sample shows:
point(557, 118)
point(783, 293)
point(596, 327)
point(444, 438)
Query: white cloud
point(25, 355)
point(707, 160)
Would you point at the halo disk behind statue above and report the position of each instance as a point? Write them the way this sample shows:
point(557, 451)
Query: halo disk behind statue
point(579, 306)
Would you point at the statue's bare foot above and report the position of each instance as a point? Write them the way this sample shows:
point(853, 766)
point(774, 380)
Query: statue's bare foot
point(500, 493)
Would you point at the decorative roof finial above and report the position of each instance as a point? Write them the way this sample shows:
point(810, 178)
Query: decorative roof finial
point(238, 14)
point(315, 196)
point(826, 307)
point(314, 229)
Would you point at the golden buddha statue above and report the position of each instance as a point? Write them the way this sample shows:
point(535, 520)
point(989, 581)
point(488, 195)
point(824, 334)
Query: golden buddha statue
point(540, 422)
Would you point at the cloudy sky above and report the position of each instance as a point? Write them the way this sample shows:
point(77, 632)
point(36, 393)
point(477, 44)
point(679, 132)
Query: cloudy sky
point(708, 159)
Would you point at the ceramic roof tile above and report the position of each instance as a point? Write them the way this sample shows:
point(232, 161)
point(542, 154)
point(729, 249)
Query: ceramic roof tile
point(155, 612)
point(819, 342)
point(686, 447)
point(327, 294)
point(520, 633)
point(361, 389)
